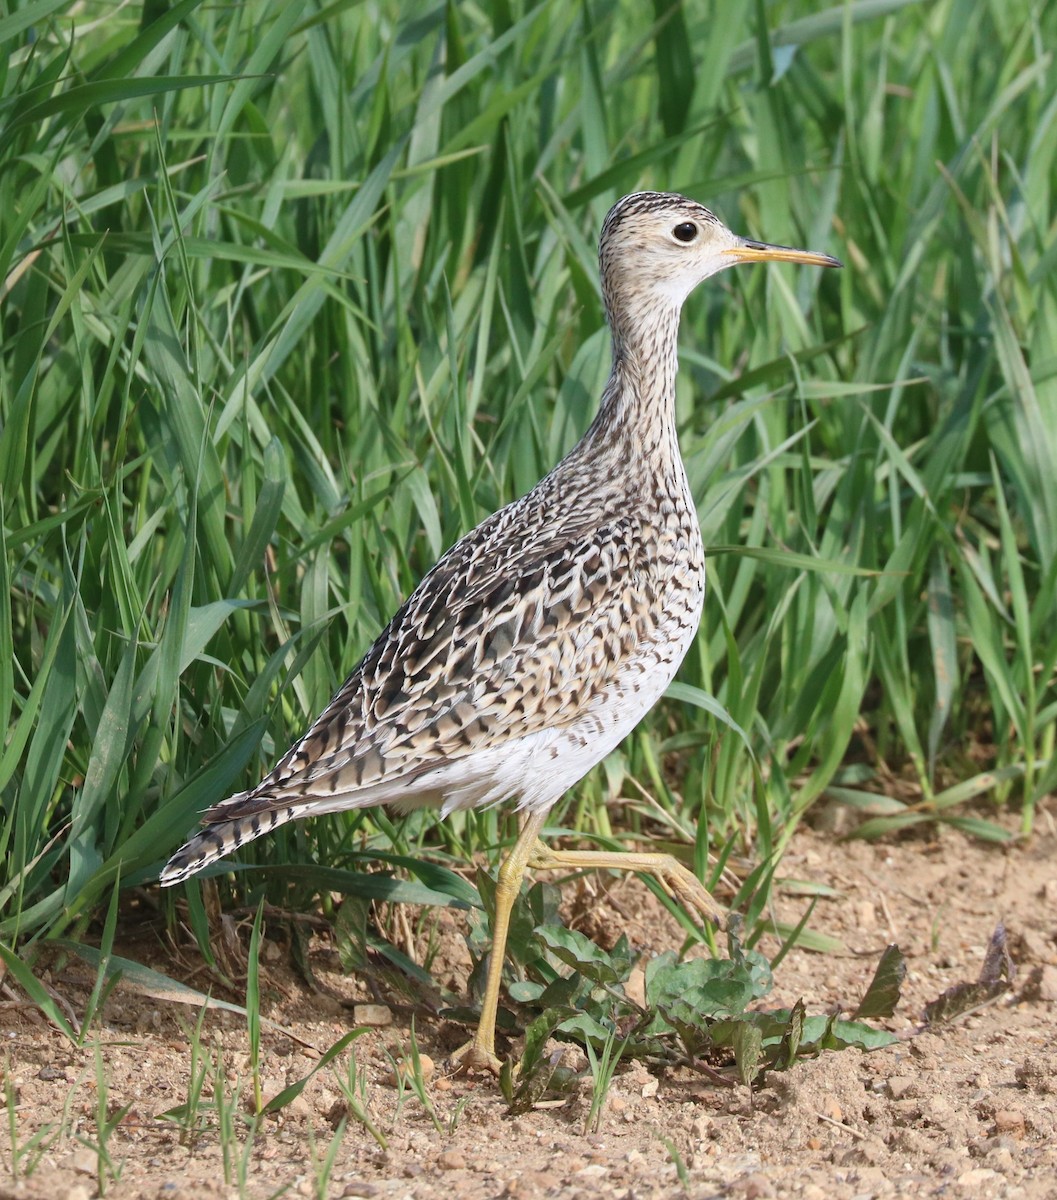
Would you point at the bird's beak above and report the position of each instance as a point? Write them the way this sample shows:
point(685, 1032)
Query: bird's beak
point(748, 251)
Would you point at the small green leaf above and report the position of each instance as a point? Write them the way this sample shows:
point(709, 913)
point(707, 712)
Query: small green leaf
point(589, 959)
point(563, 991)
point(748, 1049)
point(539, 1031)
point(535, 1071)
point(995, 978)
point(525, 991)
point(587, 1028)
point(829, 1033)
point(350, 933)
point(789, 1046)
point(753, 963)
point(691, 992)
point(882, 996)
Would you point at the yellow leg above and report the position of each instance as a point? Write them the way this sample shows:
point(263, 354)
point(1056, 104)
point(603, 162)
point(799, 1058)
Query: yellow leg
point(676, 880)
point(529, 851)
point(479, 1054)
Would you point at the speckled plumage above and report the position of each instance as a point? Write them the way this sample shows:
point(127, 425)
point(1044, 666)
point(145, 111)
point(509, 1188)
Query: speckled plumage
point(542, 637)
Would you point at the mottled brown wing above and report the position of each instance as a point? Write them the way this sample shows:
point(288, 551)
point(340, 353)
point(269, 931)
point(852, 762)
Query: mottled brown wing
point(505, 636)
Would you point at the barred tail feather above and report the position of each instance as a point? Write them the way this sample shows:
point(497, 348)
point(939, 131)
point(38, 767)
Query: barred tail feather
point(220, 838)
point(251, 814)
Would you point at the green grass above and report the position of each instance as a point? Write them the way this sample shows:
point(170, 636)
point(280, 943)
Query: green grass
point(293, 295)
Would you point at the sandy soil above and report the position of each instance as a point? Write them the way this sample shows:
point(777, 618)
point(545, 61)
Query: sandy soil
point(969, 1111)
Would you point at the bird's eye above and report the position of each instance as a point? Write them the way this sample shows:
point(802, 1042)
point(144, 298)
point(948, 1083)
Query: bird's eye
point(685, 231)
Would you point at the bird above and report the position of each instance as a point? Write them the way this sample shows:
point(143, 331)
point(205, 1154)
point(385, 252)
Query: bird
point(541, 638)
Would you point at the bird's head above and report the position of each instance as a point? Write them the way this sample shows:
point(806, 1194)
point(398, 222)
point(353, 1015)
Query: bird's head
point(656, 247)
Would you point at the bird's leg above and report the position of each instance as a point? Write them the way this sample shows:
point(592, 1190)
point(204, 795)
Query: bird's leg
point(480, 1052)
point(676, 880)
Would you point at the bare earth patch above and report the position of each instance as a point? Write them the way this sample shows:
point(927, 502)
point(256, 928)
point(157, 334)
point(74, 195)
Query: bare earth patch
point(969, 1111)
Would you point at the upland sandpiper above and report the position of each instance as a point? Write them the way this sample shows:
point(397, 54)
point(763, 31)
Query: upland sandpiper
point(543, 636)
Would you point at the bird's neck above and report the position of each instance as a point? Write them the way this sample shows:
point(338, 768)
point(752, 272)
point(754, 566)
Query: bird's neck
point(636, 423)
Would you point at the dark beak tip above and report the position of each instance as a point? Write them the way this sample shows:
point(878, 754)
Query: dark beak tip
point(829, 260)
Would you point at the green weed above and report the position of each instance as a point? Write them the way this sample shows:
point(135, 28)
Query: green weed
point(701, 1012)
point(353, 1085)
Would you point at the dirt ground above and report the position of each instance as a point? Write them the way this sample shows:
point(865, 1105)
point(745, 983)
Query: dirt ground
point(970, 1111)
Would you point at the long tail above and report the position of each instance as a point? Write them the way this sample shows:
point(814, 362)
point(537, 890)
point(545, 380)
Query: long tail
point(221, 837)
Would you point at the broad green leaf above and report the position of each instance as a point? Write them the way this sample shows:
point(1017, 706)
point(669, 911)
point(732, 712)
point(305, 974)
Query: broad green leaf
point(585, 956)
point(882, 996)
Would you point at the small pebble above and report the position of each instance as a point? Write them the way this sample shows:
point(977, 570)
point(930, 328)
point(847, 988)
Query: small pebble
point(84, 1162)
point(755, 1187)
point(405, 1070)
point(1048, 983)
point(451, 1160)
point(869, 1150)
point(702, 1128)
point(375, 1015)
point(529, 1184)
point(1037, 1076)
point(1011, 1121)
point(976, 1178)
point(1035, 947)
point(901, 1087)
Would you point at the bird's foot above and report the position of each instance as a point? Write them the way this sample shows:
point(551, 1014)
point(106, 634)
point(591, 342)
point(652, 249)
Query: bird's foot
point(676, 880)
point(691, 893)
point(475, 1057)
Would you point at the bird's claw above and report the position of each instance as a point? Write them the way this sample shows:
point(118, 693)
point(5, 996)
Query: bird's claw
point(473, 1057)
point(692, 894)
